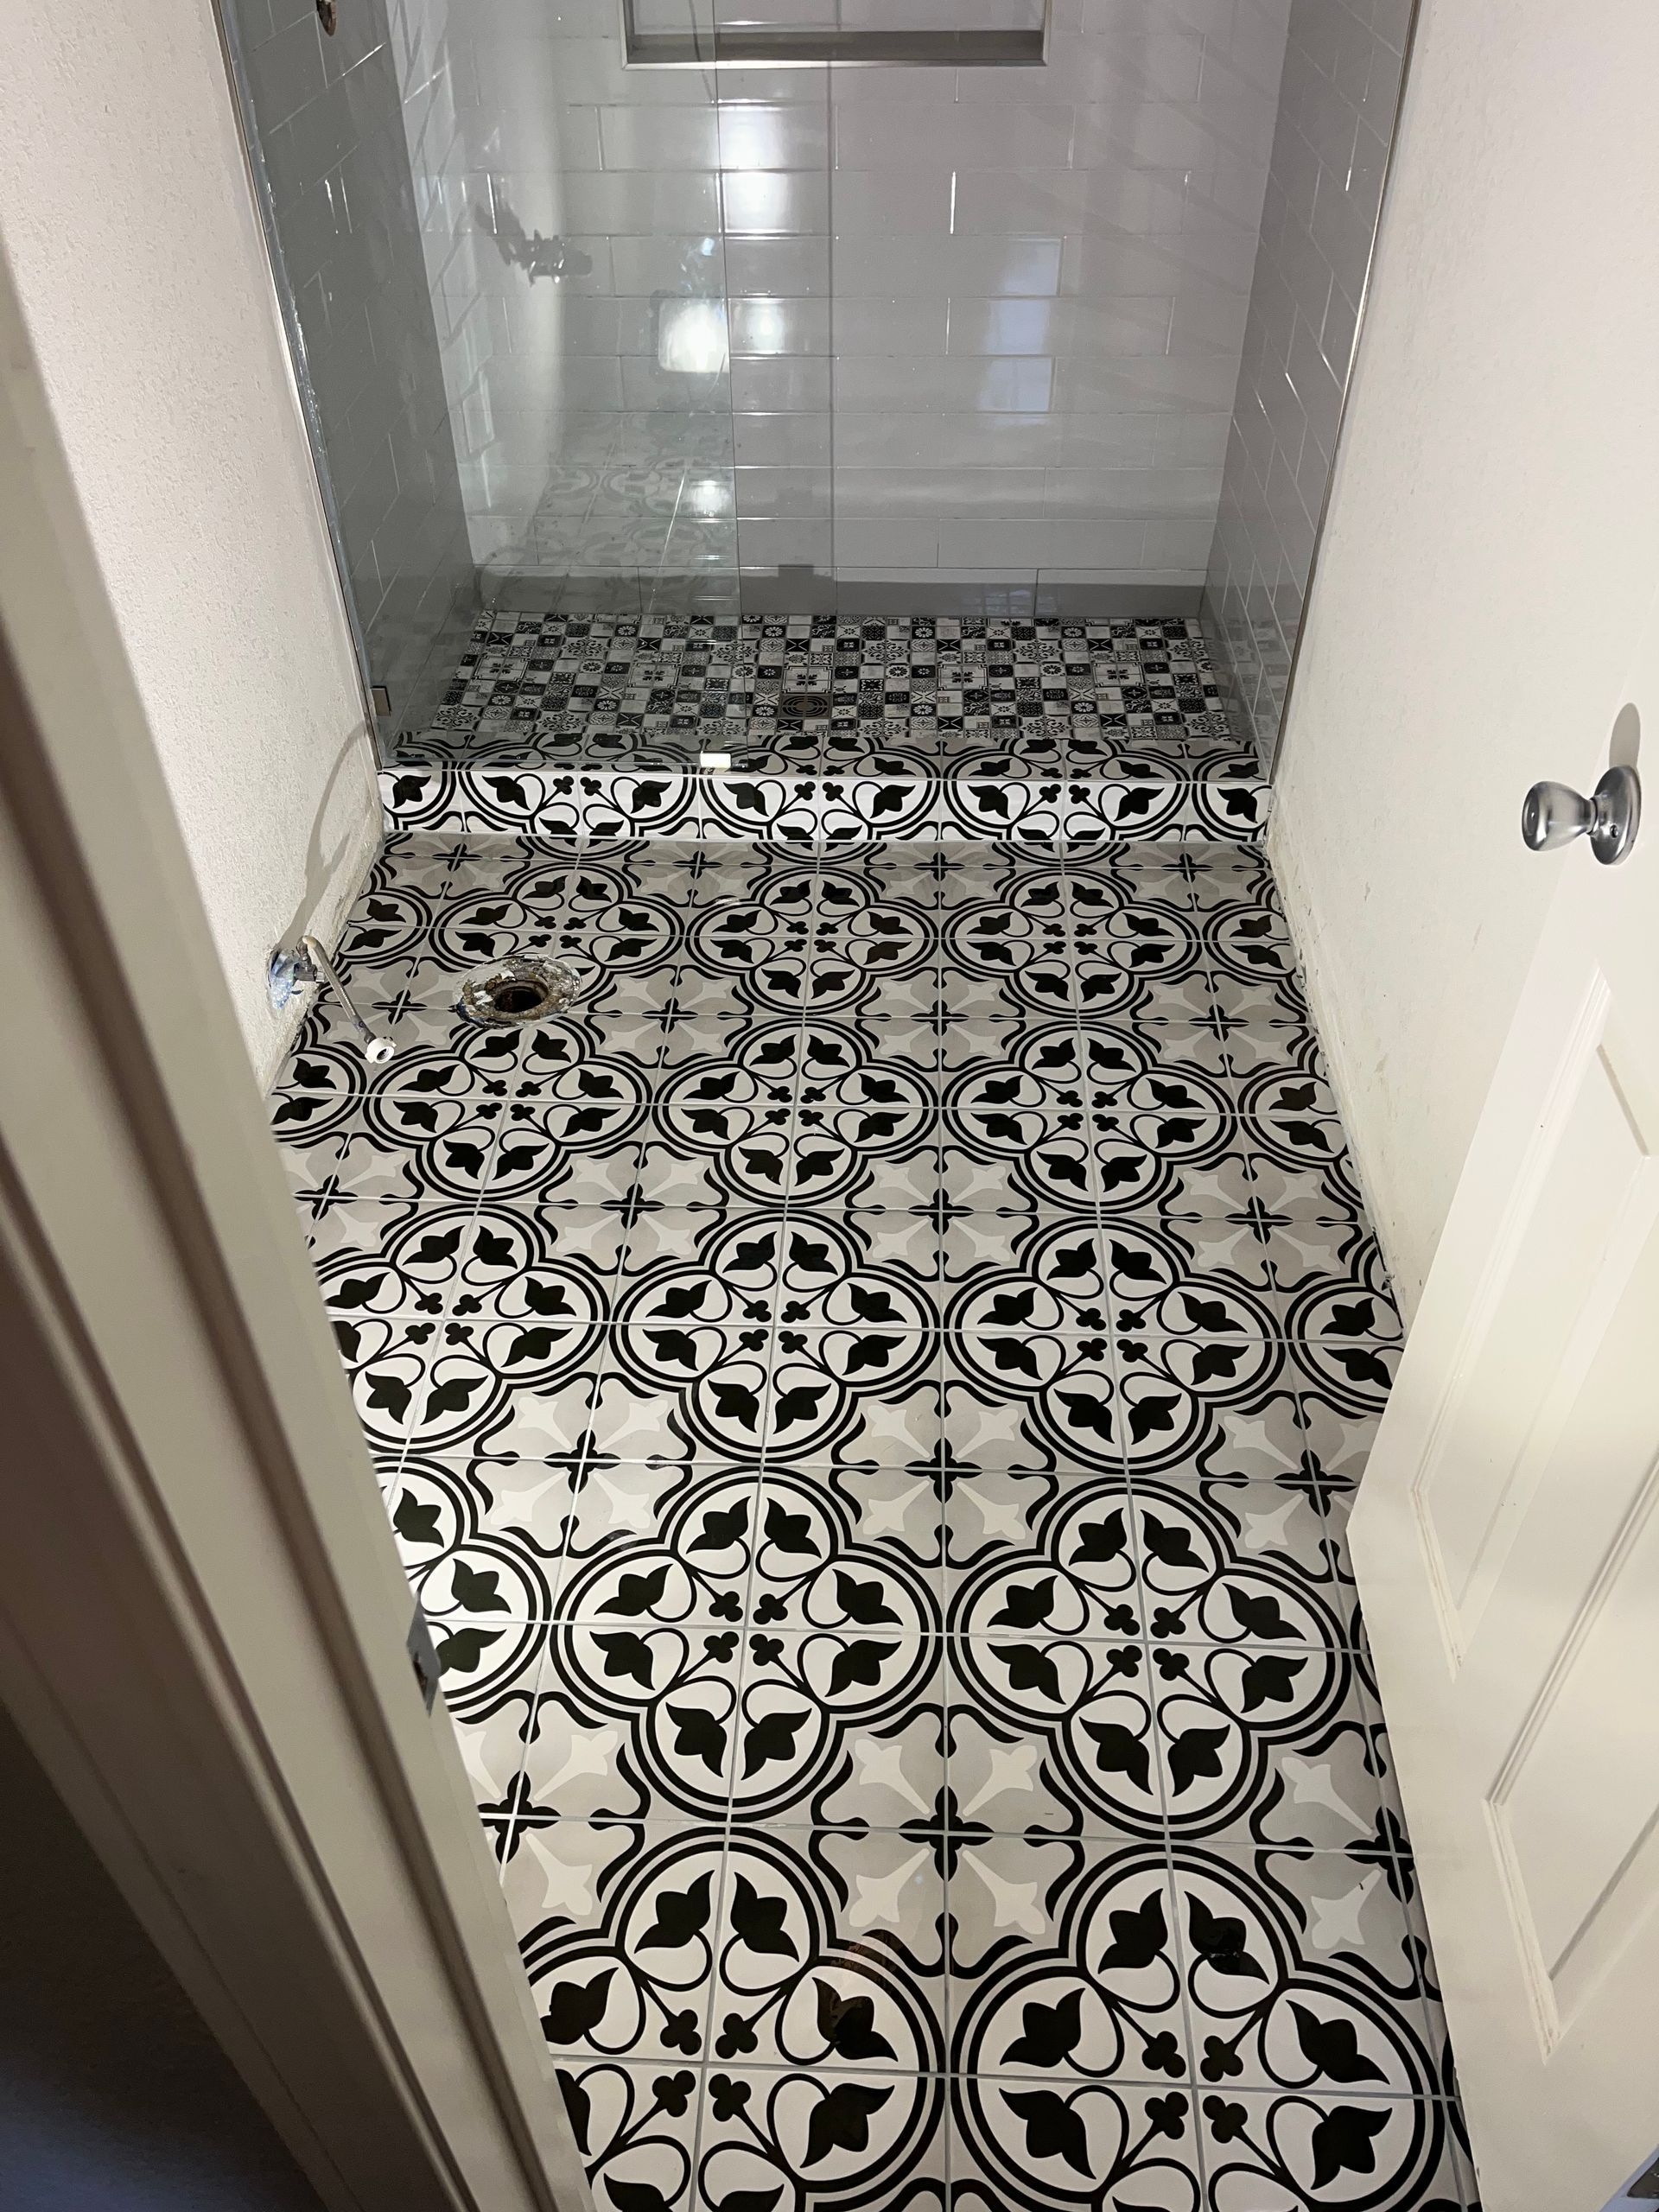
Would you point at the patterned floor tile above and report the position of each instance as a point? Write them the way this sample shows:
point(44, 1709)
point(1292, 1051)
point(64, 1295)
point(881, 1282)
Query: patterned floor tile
point(836, 1954)
point(1074, 1576)
point(1268, 1746)
point(381, 1256)
point(980, 699)
point(641, 1723)
point(1264, 2154)
point(869, 1404)
point(819, 1708)
point(480, 1554)
point(1065, 1961)
point(1300, 1970)
point(489, 1679)
point(806, 2136)
point(1025, 732)
point(661, 1545)
point(839, 1549)
point(1053, 1737)
point(637, 2128)
point(1018, 2143)
point(618, 1926)
point(1235, 1562)
point(340, 1149)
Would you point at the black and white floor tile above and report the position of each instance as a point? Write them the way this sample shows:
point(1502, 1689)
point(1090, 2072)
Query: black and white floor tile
point(810, 729)
point(869, 1401)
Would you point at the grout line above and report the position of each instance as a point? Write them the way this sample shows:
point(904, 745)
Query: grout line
point(851, 2069)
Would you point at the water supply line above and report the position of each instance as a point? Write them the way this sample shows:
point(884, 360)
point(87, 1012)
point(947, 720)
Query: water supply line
point(293, 967)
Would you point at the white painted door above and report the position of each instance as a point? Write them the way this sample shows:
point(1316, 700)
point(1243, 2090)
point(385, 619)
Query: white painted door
point(1506, 1547)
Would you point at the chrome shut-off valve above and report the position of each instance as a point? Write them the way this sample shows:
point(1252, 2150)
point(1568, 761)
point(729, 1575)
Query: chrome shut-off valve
point(1553, 814)
point(293, 967)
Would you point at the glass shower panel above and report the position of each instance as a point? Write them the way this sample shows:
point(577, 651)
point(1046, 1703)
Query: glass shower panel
point(325, 119)
point(589, 363)
point(562, 323)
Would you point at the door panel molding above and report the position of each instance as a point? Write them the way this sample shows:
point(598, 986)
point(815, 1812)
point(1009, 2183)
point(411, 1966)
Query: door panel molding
point(1458, 1618)
point(1564, 1980)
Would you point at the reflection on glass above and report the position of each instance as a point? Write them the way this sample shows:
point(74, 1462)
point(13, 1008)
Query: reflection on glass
point(709, 495)
point(691, 337)
point(554, 257)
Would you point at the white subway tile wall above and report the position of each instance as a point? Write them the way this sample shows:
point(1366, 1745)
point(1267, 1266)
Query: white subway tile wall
point(985, 325)
point(328, 112)
point(1343, 70)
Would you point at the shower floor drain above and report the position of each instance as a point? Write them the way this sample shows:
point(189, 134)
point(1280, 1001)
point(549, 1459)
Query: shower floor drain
point(518, 989)
point(804, 706)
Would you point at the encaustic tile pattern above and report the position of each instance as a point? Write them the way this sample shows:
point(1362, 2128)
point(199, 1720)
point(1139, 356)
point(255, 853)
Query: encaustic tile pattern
point(869, 1400)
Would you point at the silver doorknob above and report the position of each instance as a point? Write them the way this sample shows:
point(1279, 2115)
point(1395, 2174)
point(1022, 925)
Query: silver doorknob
point(1554, 814)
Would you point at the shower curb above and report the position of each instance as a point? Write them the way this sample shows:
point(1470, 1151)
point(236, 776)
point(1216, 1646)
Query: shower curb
point(810, 809)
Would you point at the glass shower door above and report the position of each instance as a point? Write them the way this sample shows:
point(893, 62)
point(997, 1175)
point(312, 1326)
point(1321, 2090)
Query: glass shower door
point(321, 93)
point(593, 432)
point(561, 321)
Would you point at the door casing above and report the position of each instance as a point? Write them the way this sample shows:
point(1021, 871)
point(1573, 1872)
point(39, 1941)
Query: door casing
point(202, 1628)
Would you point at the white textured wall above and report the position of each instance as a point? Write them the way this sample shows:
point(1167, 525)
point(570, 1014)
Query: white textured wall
point(1493, 539)
point(127, 218)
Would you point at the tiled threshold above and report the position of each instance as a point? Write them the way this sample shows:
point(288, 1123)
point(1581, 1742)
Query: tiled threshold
point(605, 803)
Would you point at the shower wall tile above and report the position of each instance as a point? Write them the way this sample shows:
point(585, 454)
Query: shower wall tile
point(1189, 494)
point(347, 215)
point(774, 268)
point(676, 263)
point(889, 544)
point(629, 203)
point(947, 267)
point(580, 202)
point(783, 441)
point(775, 133)
point(774, 204)
point(771, 136)
point(765, 494)
point(890, 202)
point(783, 385)
point(638, 137)
point(795, 543)
point(868, 494)
point(1343, 69)
point(1000, 441)
point(886, 328)
point(767, 329)
point(1011, 383)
